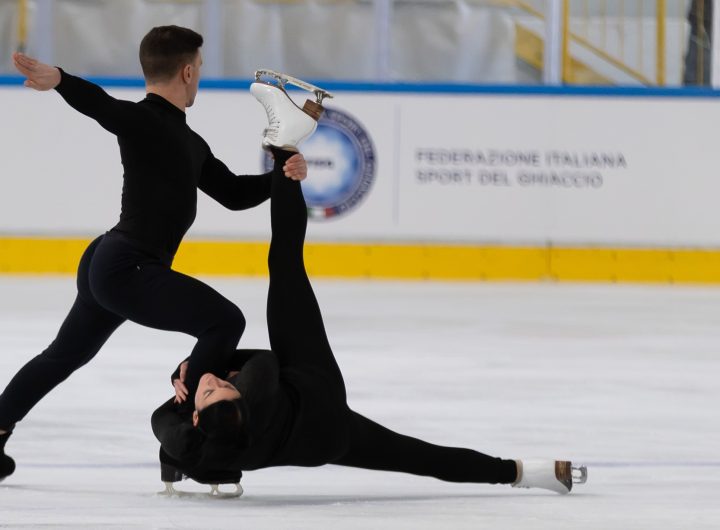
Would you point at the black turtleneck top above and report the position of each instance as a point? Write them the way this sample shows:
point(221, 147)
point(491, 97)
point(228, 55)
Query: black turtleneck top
point(164, 162)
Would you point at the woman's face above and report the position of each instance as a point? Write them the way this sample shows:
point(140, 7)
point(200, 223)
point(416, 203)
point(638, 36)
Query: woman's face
point(212, 389)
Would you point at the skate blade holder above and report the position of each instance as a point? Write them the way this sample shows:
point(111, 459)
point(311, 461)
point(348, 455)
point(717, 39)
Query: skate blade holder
point(284, 79)
point(214, 492)
point(579, 474)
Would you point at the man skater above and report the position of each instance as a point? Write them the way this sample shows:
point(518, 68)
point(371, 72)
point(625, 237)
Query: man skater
point(126, 273)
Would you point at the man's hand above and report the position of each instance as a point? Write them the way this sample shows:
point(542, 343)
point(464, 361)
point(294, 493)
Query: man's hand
point(40, 76)
point(296, 168)
point(181, 391)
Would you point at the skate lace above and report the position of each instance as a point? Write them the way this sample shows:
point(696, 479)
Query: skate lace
point(273, 129)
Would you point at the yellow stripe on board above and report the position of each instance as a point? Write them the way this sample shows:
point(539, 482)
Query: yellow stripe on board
point(412, 262)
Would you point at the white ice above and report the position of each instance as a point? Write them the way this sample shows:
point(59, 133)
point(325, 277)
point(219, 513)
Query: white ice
point(622, 378)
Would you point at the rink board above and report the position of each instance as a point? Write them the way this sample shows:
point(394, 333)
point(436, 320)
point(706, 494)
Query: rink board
point(462, 185)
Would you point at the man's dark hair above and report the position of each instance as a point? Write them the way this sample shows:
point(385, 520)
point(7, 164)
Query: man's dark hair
point(225, 421)
point(166, 49)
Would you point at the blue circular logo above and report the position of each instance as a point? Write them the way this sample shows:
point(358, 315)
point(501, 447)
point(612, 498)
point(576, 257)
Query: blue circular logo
point(341, 165)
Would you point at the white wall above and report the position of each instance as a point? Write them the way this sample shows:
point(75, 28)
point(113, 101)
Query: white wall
point(60, 172)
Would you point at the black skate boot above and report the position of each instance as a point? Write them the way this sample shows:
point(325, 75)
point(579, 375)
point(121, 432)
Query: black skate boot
point(7, 464)
point(170, 474)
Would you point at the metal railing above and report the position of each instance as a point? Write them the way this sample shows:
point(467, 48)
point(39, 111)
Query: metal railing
point(618, 53)
point(617, 34)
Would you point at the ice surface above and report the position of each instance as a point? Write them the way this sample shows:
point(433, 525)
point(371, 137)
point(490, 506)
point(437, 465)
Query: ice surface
point(623, 378)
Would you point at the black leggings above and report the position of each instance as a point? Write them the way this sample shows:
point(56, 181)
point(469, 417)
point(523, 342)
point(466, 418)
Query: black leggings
point(118, 281)
point(298, 338)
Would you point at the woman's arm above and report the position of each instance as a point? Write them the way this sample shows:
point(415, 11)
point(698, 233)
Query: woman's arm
point(235, 364)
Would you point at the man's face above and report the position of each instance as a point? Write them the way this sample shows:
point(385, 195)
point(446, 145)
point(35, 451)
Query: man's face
point(192, 87)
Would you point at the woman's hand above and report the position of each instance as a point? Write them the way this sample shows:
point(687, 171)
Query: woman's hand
point(181, 391)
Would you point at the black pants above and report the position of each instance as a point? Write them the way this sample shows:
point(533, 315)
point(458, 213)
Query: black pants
point(119, 281)
point(298, 338)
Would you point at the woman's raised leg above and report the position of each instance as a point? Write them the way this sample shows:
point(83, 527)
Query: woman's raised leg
point(295, 324)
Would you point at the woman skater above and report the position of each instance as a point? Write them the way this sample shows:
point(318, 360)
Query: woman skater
point(288, 406)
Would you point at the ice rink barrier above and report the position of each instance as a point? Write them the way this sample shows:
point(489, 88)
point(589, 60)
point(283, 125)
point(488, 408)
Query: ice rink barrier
point(406, 181)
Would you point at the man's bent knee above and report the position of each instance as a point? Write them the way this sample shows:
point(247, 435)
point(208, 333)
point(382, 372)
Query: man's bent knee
point(232, 321)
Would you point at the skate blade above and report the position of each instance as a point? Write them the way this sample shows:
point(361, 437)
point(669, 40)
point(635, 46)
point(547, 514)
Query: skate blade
point(214, 492)
point(579, 474)
point(284, 79)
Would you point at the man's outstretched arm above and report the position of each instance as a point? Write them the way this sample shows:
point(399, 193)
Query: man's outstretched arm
point(117, 116)
point(38, 75)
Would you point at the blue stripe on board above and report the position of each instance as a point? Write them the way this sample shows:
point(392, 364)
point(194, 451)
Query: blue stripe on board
point(433, 88)
point(11, 80)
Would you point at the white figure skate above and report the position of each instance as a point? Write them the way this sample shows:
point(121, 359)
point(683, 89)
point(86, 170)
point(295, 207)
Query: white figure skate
point(288, 124)
point(214, 492)
point(554, 475)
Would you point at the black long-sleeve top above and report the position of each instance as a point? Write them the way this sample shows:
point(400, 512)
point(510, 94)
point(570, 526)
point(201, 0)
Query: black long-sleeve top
point(165, 162)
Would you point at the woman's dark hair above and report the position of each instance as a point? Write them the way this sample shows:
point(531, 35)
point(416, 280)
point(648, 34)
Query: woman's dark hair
point(225, 421)
point(166, 49)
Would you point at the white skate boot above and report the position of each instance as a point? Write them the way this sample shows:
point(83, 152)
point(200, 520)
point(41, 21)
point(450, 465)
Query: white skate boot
point(288, 124)
point(555, 475)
